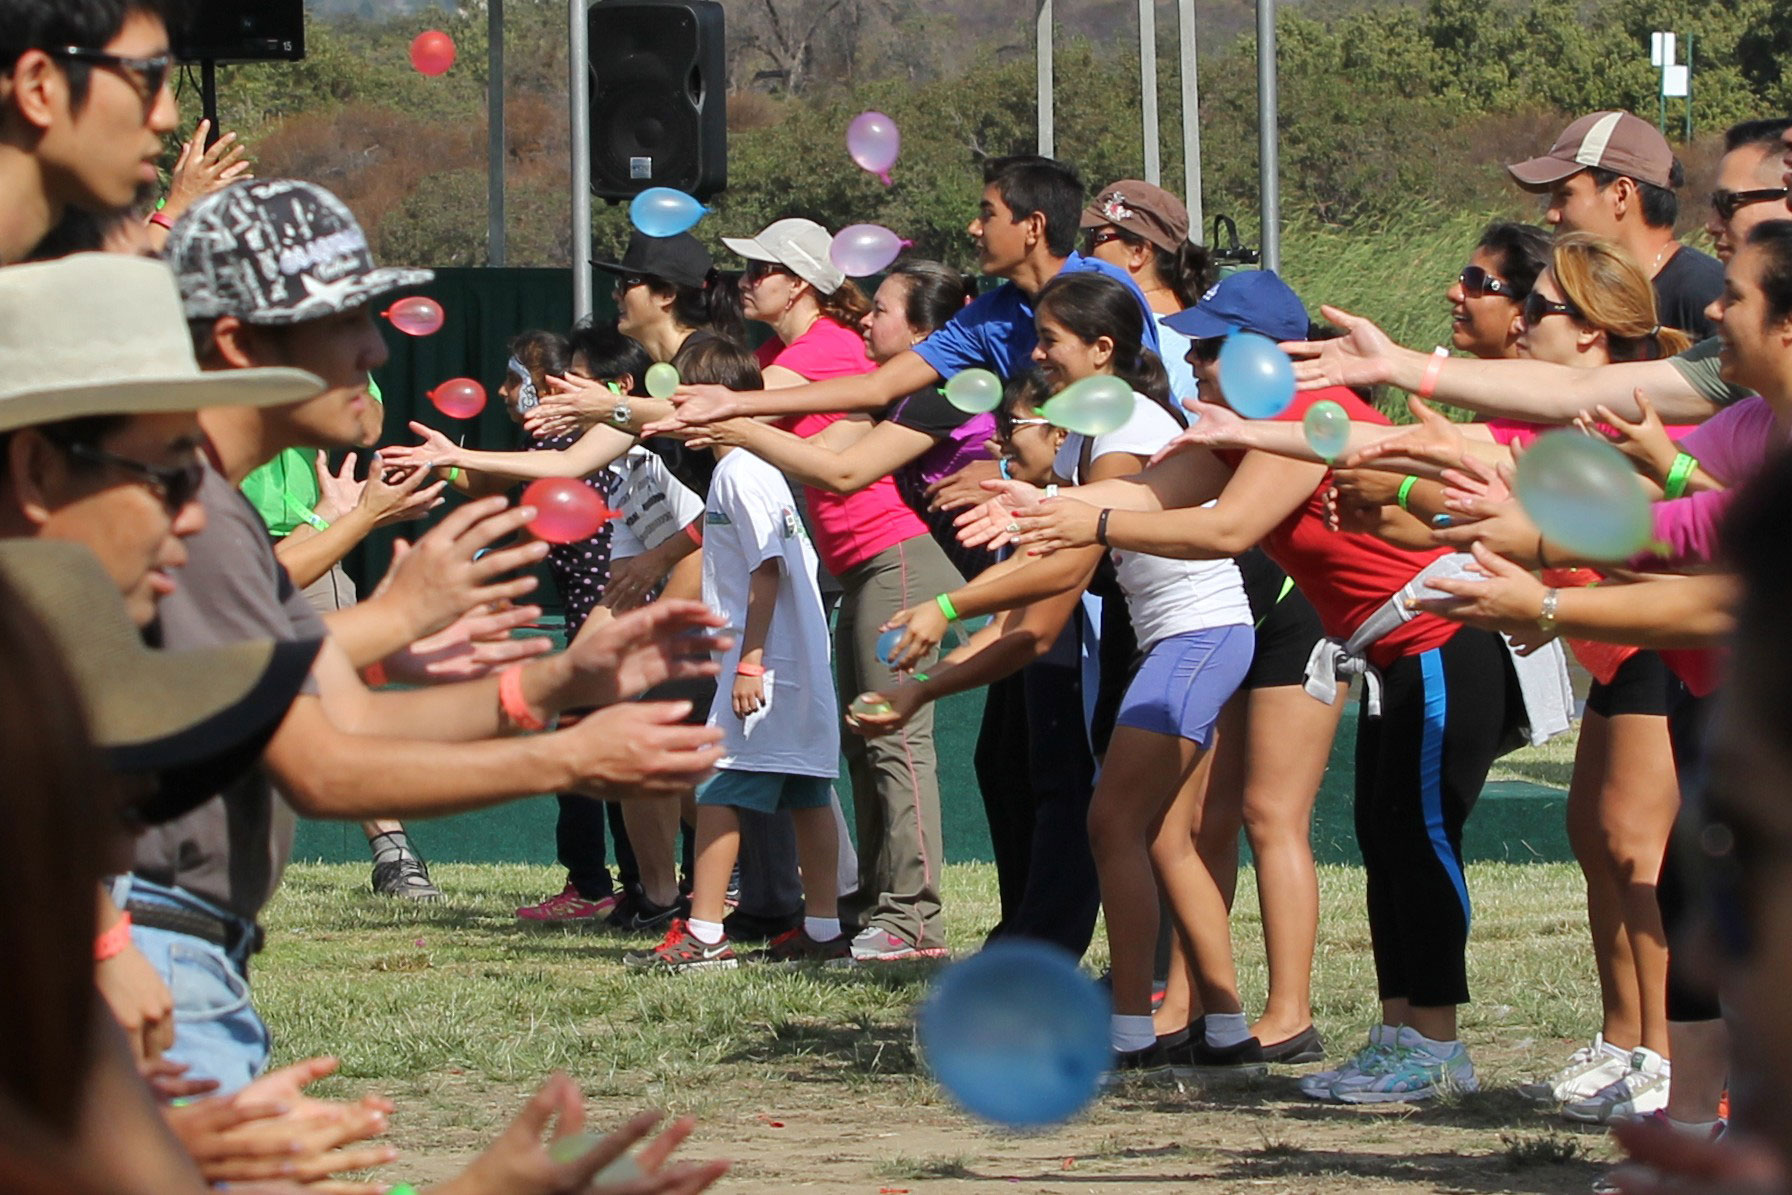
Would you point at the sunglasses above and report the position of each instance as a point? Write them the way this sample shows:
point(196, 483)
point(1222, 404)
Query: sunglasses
point(1728, 203)
point(758, 271)
point(1537, 309)
point(150, 74)
point(175, 485)
point(628, 282)
point(1208, 349)
point(1095, 238)
point(1006, 427)
point(1477, 283)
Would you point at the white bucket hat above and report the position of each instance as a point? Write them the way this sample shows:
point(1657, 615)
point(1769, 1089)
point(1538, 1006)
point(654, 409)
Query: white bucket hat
point(800, 246)
point(104, 334)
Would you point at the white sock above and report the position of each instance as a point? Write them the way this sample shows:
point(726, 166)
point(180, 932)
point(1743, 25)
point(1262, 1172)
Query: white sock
point(1693, 1128)
point(1437, 1049)
point(706, 932)
point(1131, 1033)
point(1226, 1029)
point(822, 929)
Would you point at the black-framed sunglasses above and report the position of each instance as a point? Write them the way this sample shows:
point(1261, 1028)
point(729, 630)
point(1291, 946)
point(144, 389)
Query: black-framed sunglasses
point(1477, 283)
point(1208, 349)
point(1537, 309)
point(175, 485)
point(1095, 238)
point(1727, 203)
point(757, 271)
point(150, 74)
point(628, 282)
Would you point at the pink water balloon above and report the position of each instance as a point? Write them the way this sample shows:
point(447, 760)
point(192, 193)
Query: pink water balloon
point(567, 510)
point(459, 398)
point(861, 250)
point(418, 315)
point(432, 53)
point(873, 141)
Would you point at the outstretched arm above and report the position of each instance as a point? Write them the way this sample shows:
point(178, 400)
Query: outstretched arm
point(902, 374)
point(875, 455)
point(596, 449)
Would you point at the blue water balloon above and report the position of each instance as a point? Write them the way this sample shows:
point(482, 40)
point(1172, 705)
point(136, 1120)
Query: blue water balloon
point(1256, 376)
point(663, 212)
point(1017, 1034)
point(886, 644)
point(1327, 428)
point(1094, 406)
point(1583, 494)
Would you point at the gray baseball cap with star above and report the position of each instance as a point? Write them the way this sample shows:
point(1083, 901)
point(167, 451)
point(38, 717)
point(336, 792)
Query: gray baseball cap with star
point(277, 252)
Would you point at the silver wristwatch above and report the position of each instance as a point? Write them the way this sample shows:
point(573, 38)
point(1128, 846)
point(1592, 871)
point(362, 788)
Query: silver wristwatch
point(622, 415)
point(1546, 620)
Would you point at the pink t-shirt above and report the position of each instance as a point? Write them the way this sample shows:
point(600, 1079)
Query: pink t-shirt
point(849, 528)
point(1525, 433)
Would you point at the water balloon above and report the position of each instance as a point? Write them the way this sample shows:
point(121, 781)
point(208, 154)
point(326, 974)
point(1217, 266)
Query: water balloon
point(566, 510)
point(873, 141)
point(432, 53)
point(1094, 406)
point(1017, 1034)
point(570, 1149)
point(1582, 494)
point(1327, 427)
point(663, 212)
point(861, 250)
point(459, 398)
point(662, 379)
point(870, 705)
point(418, 315)
point(974, 391)
point(886, 645)
point(1256, 376)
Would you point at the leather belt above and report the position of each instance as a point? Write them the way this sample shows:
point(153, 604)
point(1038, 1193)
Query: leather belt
point(226, 935)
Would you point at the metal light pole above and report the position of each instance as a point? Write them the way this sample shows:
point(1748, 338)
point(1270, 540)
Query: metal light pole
point(1148, 88)
point(1268, 160)
point(579, 69)
point(1191, 119)
point(494, 135)
point(1042, 49)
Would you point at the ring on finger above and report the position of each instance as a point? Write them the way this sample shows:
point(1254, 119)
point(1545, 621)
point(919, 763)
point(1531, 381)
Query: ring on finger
point(1012, 529)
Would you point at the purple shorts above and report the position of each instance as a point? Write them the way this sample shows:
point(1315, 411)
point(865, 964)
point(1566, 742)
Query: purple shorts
point(1184, 681)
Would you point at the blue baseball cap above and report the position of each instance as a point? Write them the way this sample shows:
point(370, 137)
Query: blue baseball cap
point(1248, 301)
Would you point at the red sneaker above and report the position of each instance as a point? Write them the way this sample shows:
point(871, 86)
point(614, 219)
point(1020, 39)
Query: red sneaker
point(567, 905)
point(681, 951)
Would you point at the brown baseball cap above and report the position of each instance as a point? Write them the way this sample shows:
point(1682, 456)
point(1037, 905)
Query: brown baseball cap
point(1614, 141)
point(1142, 209)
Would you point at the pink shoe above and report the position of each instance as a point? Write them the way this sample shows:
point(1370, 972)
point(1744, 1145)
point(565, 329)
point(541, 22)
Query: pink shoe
point(567, 905)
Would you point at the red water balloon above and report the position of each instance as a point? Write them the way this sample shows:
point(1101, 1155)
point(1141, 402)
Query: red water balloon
point(459, 398)
point(418, 315)
point(567, 510)
point(432, 52)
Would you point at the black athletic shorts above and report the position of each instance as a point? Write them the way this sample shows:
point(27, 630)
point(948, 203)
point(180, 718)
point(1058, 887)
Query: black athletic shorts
point(1640, 686)
point(1287, 625)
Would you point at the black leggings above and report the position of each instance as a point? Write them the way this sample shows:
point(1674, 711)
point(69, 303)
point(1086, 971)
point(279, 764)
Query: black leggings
point(1446, 715)
point(1689, 999)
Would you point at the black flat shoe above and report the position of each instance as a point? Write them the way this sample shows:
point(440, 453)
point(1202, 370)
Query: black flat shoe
point(1305, 1046)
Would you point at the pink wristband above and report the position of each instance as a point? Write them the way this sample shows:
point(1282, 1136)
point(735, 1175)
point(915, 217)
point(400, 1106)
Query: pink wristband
point(514, 704)
point(745, 669)
point(1428, 383)
point(112, 942)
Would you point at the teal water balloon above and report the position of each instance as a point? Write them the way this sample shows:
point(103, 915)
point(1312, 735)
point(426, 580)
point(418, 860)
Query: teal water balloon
point(1256, 376)
point(974, 391)
point(663, 212)
point(661, 380)
point(1582, 494)
point(1327, 427)
point(1017, 1034)
point(886, 645)
point(1094, 406)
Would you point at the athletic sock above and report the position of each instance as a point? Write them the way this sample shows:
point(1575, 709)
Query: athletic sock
point(1131, 1033)
point(706, 932)
point(1226, 1029)
point(822, 929)
point(1433, 1047)
point(1693, 1128)
point(389, 846)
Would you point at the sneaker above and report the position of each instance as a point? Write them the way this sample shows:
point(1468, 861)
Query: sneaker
point(1589, 1070)
point(796, 947)
point(1640, 1090)
point(406, 877)
point(1409, 1072)
point(635, 914)
point(1149, 1062)
point(1305, 1046)
point(1195, 1059)
point(876, 945)
point(681, 951)
point(1318, 1085)
point(568, 905)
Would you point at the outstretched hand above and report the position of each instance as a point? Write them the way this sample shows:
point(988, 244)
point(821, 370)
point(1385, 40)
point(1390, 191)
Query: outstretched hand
point(1432, 438)
point(620, 658)
point(1361, 357)
point(992, 525)
point(448, 571)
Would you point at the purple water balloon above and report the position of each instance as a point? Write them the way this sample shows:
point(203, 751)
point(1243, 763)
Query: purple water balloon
point(873, 142)
point(861, 250)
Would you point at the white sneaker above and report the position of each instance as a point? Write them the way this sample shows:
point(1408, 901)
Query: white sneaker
point(1590, 1069)
point(1409, 1072)
point(1642, 1089)
point(1319, 1084)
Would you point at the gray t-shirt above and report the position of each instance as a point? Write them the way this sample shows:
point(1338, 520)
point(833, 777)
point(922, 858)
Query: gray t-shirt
point(1700, 367)
point(232, 849)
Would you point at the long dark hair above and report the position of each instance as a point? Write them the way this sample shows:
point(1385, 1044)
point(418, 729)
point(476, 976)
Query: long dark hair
point(935, 293)
point(712, 307)
point(1090, 305)
point(1522, 251)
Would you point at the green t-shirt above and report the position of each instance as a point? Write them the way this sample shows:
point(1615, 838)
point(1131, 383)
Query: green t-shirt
point(1699, 366)
point(284, 491)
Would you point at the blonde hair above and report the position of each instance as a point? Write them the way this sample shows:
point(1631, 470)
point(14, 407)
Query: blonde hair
point(1614, 296)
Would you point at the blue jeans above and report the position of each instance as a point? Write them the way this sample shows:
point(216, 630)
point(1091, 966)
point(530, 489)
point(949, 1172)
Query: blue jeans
point(216, 1030)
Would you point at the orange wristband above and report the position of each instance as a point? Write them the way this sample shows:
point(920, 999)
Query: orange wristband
point(694, 529)
point(375, 674)
point(112, 942)
point(1435, 366)
point(513, 703)
point(744, 669)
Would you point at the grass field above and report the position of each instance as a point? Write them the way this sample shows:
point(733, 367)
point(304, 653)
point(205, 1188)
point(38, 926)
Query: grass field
point(811, 1081)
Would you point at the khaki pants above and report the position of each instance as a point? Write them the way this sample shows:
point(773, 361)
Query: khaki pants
point(895, 790)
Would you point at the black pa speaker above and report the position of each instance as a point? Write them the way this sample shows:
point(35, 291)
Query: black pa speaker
point(242, 31)
point(659, 114)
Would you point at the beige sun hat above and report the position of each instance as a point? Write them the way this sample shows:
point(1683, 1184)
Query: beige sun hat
point(104, 334)
point(800, 246)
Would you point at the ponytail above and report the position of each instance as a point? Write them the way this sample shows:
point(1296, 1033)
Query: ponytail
point(1185, 271)
point(712, 307)
point(846, 306)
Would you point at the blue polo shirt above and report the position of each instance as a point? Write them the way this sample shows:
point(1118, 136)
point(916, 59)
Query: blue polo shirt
point(996, 332)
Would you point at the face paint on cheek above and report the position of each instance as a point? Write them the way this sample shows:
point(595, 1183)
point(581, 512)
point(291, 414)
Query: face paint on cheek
point(527, 399)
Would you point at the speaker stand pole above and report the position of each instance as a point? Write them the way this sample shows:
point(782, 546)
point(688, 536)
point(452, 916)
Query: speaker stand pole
point(579, 64)
point(208, 99)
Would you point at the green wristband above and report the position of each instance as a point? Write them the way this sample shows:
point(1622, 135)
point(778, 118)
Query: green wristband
point(402, 1189)
point(1679, 473)
point(453, 474)
point(316, 520)
point(944, 602)
point(1405, 492)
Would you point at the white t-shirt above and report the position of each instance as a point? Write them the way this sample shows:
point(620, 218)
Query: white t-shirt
point(751, 517)
point(654, 504)
point(1165, 597)
point(1175, 354)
